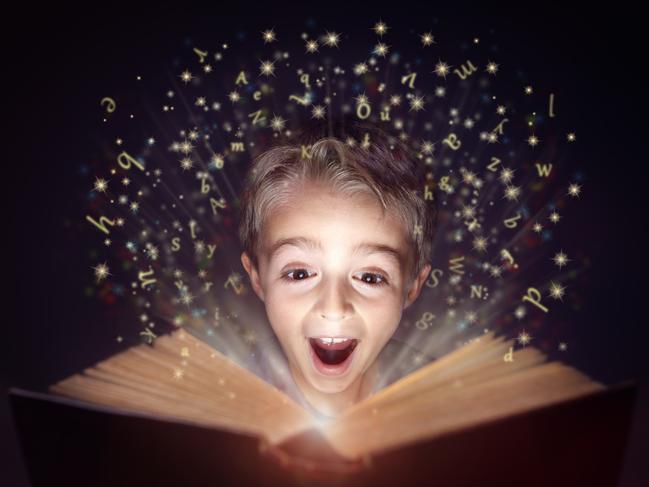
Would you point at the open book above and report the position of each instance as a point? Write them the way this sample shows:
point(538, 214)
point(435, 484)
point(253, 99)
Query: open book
point(472, 385)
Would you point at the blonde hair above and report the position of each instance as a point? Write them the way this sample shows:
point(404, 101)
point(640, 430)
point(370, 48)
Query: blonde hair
point(349, 157)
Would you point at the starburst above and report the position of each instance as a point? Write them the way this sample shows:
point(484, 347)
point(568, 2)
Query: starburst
point(380, 28)
point(556, 291)
point(442, 69)
point(417, 103)
point(492, 68)
point(554, 217)
point(268, 36)
point(267, 68)
point(277, 123)
point(512, 192)
point(101, 271)
point(533, 140)
point(234, 96)
point(311, 46)
point(186, 76)
point(427, 39)
point(574, 189)
point(101, 185)
point(524, 338)
point(318, 112)
point(506, 175)
point(560, 259)
point(381, 49)
point(331, 39)
point(480, 244)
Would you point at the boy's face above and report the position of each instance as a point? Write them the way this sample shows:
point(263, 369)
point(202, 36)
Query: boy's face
point(327, 290)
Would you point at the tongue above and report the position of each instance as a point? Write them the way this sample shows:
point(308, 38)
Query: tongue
point(333, 355)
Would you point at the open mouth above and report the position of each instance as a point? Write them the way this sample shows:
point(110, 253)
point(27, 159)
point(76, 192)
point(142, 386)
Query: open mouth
point(332, 355)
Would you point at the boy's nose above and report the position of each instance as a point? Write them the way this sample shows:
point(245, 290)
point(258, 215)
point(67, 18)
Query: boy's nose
point(334, 305)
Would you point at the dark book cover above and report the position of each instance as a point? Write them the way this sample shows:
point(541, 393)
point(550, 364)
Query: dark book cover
point(67, 442)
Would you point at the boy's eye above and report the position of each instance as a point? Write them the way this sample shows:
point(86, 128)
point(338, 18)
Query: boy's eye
point(370, 278)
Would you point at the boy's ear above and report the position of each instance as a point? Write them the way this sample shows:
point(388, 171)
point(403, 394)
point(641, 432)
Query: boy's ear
point(415, 287)
point(253, 273)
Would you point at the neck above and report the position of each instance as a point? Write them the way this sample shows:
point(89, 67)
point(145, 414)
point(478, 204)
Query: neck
point(333, 404)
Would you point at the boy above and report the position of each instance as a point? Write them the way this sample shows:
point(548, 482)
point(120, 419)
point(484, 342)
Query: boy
point(336, 241)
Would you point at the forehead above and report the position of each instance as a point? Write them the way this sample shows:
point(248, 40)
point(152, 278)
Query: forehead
point(321, 221)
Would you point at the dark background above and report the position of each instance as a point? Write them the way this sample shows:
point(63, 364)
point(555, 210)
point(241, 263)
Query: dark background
point(58, 59)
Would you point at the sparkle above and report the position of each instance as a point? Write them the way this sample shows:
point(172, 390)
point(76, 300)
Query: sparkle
point(318, 112)
point(512, 192)
point(395, 100)
point(441, 69)
point(427, 39)
point(178, 373)
point(524, 338)
point(360, 68)
point(234, 96)
point(574, 190)
point(417, 103)
point(101, 185)
point(331, 39)
point(311, 46)
point(506, 175)
point(267, 68)
point(571, 137)
point(380, 28)
point(556, 291)
point(492, 68)
point(560, 259)
point(563, 346)
point(101, 272)
point(532, 140)
point(537, 227)
point(268, 36)
point(277, 123)
point(554, 217)
point(381, 49)
point(186, 163)
point(186, 76)
point(480, 244)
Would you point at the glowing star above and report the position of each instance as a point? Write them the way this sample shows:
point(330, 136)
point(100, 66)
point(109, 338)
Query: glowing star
point(512, 192)
point(495, 271)
point(471, 317)
point(101, 272)
point(126, 181)
point(186, 298)
point(268, 36)
point(395, 100)
point(362, 98)
point(563, 346)
point(234, 96)
point(417, 103)
point(554, 217)
point(178, 373)
point(134, 206)
point(524, 338)
point(574, 190)
point(318, 112)
point(528, 90)
point(533, 140)
point(186, 76)
point(381, 49)
point(277, 123)
point(491, 68)
point(217, 161)
point(311, 46)
point(442, 69)
point(561, 259)
point(360, 68)
point(427, 147)
point(480, 244)
point(101, 185)
point(571, 137)
point(501, 110)
point(186, 163)
point(200, 101)
point(427, 39)
point(267, 68)
point(506, 175)
point(331, 39)
point(380, 28)
point(537, 227)
point(556, 291)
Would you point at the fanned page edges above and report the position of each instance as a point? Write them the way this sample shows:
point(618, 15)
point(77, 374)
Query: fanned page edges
point(468, 386)
point(212, 391)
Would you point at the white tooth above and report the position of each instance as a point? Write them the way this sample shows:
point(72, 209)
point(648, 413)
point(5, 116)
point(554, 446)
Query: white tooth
point(326, 340)
point(340, 340)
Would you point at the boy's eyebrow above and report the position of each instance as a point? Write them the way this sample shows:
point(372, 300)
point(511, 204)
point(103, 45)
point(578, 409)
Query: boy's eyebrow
point(367, 247)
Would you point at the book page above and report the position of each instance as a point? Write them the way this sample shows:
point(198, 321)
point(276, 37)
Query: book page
point(471, 385)
point(181, 377)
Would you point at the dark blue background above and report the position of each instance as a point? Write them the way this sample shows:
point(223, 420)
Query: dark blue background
point(58, 58)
